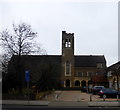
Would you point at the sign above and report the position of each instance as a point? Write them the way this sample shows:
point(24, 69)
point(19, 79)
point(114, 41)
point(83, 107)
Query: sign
point(62, 82)
point(27, 76)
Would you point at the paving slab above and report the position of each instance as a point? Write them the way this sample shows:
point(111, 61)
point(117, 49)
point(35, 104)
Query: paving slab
point(68, 104)
point(21, 102)
point(104, 104)
point(62, 103)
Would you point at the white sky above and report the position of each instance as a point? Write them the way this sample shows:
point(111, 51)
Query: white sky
point(95, 24)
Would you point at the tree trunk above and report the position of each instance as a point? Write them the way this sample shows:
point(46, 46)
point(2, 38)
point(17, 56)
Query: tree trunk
point(19, 74)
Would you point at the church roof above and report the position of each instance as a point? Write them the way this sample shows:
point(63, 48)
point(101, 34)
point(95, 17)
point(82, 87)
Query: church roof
point(114, 68)
point(88, 60)
point(79, 60)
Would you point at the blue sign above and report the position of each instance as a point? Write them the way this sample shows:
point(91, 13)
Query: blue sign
point(62, 82)
point(27, 76)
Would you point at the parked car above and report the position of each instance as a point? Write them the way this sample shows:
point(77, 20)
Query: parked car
point(84, 89)
point(96, 89)
point(107, 92)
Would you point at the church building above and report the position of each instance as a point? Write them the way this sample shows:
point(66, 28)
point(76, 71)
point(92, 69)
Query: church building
point(77, 70)
point(69, 70)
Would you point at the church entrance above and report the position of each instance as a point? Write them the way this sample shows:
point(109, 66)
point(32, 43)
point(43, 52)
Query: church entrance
point(67, 83)
point(83, 83)
point(77, 83)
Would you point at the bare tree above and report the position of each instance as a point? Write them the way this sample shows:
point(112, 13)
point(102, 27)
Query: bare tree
point(20, 42)
point(4, 62)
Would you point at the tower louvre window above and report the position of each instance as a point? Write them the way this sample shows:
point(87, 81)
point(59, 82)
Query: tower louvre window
point(67, 43)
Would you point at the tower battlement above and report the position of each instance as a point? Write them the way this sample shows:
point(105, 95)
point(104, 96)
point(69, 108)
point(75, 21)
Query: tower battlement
point(67, 43)
point(68, 34)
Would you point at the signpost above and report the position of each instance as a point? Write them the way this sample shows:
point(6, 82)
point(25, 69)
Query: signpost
point(27, 76)
point(27, 79)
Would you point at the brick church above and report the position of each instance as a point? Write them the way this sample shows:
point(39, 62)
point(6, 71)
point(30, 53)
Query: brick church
point(77, 70)
point(69, 70)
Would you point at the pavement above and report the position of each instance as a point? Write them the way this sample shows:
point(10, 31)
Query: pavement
point(22, 102)
point(61, 103)
point(67, 99)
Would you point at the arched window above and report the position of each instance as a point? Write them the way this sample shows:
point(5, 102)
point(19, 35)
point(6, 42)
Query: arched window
point(67, 68)
point(77, 83)
point(83, 83)
point(67, 43)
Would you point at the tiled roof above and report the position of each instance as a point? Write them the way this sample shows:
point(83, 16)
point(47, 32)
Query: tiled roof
point(88, 60)
point(79, 60)
point(113, 68)
point(43, 59)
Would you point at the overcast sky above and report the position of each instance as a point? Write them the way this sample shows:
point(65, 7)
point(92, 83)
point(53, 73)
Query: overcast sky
point(95, 25)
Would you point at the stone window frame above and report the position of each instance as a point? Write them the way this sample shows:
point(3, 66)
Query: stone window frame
point(99, 65)
point(84, 74)
point(89, 73)
point(66, 69)
point(109, 73)
point(79, 75)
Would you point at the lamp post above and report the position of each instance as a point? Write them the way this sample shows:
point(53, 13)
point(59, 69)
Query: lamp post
point(109, 75)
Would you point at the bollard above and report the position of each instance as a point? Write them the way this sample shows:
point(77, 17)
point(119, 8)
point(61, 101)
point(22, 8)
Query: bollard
point(104, 96)
point(90, 97)
point(79, 98)
point(56, 96)
point(117, 97)
point(45, 96)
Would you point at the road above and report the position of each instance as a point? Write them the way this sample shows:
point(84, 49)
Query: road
point(74, 96)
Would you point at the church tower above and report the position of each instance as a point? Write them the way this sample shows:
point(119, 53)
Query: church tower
point(67, 59)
